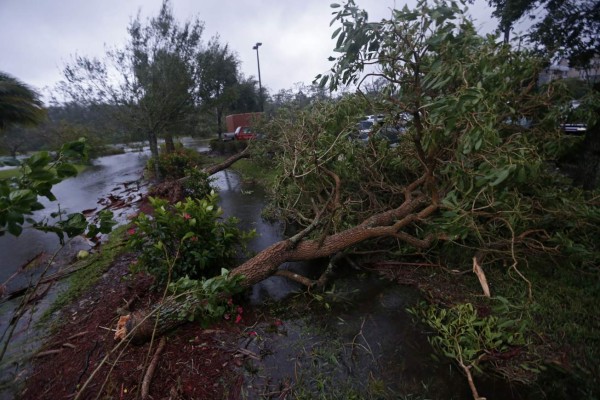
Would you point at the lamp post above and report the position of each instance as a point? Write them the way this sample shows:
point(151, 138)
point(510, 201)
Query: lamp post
point(256, 46)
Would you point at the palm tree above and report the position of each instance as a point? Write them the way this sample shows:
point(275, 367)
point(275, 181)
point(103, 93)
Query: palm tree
point(19, 104)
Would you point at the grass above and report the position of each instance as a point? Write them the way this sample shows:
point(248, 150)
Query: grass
point(9, 173)
point(92, 269)
point(250, 170)
point(563, 328)
point(566, 313)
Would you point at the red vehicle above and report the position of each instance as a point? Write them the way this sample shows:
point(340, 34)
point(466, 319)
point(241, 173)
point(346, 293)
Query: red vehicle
point(239, 126)
point(244, 133)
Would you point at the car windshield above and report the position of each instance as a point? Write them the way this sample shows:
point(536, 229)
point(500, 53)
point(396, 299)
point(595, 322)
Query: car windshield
point(365, 124)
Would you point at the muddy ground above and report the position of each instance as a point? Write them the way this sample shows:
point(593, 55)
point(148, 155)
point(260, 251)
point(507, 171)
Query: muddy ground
point(81, 357)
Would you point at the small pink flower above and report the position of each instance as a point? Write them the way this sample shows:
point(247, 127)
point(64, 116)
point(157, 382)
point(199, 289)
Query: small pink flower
point(230, 301)
point(240, 310)
point(186, 216)
point(227, 316)
point(238, 319)
point(252, 333)
point(131, 231)
point(278, 322)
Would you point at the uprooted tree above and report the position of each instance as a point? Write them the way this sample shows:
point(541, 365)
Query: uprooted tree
point(471, 181)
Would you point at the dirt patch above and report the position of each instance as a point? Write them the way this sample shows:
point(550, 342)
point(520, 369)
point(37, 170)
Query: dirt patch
point(196, 363)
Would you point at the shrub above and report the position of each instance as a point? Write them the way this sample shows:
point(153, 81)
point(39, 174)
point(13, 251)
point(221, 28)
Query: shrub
point(197, 184)
point(230, 147)
point(175, 164)
point(186, 239)
point(207, 300)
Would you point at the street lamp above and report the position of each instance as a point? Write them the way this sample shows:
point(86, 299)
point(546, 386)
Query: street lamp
point(256, 46)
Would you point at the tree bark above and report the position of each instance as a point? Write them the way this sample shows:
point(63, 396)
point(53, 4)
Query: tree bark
point(213, 169)
point(169, 143)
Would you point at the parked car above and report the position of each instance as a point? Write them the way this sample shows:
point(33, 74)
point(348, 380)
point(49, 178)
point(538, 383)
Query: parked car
point(390, 133)
point(244, 133)
point(364, 128)
point(572, 126)
point(228, 136)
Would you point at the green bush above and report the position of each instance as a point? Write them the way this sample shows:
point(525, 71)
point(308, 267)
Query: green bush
point(197, 184)
point(230, 147)
point(468, 338)
point(207, 300)
point(186, 239)
point(175, 164)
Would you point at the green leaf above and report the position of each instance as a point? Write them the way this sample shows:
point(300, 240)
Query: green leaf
point(21, 195)
point(500, 177)
point(336, 32)
point(65, 170)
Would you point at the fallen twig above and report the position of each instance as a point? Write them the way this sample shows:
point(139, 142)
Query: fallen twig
point(86, 364)
point(76, 335)
point(151, 368)
point(47, 353)
point(248, 353)
point(481, 276)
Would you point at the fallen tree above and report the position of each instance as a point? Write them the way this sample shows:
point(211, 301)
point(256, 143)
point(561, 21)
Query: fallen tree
point(466, 185)
point(415, 207)
point(465, 174)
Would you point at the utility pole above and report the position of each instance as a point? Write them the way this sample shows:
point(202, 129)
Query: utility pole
point(260, 96)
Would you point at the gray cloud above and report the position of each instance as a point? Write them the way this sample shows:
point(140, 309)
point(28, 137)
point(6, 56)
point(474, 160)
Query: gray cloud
point(39, 36)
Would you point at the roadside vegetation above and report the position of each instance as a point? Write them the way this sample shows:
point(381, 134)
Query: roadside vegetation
point(88, 269)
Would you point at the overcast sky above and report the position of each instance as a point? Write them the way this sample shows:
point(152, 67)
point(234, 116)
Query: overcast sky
point(39, 36)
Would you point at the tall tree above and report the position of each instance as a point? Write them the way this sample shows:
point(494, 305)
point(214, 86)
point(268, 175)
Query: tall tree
point(149, 82)
point(509, 12)
point(218, 78)
point(568, 28)
point(19, 104)
point(247, 95)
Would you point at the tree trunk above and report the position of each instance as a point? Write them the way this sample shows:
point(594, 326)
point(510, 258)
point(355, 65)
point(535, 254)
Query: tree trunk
point(219, 113)
point(266, 263)
point(213, 169)
point(153, 142)
point(169, 144)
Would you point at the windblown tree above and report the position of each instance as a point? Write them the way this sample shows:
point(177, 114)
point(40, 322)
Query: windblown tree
point(19, 104)
point(467, 184)
point(150, 82)
point(218, 79)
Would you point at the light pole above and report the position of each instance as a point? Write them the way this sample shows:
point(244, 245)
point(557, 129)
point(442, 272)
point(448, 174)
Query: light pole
point(256, 46)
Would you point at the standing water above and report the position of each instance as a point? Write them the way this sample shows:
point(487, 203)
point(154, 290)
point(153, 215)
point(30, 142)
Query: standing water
point(109, 179)
point(355, 341)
